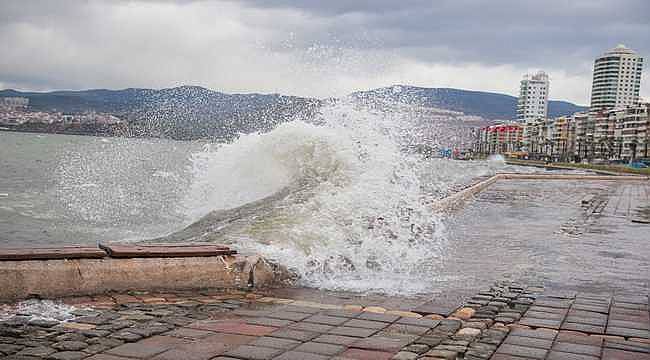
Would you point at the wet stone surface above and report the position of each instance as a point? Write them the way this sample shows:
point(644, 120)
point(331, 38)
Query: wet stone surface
point(506, 321)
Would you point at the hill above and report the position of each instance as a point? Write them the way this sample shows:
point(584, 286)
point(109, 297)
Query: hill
point(488, 105)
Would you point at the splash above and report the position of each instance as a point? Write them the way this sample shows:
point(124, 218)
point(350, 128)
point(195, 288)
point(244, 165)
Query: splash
point(340, 200)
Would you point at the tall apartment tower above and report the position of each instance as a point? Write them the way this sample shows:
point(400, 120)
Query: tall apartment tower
point(533, 97)
point(617, 79)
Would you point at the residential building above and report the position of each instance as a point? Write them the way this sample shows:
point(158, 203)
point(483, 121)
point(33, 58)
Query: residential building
point(616, 79)
point(533, 97)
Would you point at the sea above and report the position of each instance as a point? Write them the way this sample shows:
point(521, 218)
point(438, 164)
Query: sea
point(343, 200)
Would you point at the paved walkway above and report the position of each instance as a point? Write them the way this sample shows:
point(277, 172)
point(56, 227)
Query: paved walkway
point(504, 322)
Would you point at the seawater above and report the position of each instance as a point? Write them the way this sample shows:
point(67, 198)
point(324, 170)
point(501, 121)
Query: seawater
point(343, 200)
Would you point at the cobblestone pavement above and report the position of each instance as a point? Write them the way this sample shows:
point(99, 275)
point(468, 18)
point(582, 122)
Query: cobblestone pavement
point(506, 321)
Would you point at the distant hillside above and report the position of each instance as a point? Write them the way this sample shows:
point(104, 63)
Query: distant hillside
point(186, 112)
point(485, 104)
point(192, 112)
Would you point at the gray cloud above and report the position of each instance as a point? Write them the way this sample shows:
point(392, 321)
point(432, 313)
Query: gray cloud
point(316, 48)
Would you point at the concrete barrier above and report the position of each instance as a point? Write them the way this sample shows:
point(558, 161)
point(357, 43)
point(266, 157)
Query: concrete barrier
point(457, 200)
point(57, 278)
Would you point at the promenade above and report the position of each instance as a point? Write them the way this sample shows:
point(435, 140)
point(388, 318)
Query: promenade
point(551, 269)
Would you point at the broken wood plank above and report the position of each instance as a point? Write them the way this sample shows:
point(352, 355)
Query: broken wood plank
point(47, 253)
point(166, 250)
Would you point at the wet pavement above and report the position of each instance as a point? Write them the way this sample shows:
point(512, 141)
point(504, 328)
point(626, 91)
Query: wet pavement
point(506, 321)
point(581, 235)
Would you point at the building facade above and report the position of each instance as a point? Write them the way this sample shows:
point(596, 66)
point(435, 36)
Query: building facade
point(617, 79)
point(533, 97)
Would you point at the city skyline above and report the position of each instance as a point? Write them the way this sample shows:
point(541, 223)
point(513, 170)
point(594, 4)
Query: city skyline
point(312, 48)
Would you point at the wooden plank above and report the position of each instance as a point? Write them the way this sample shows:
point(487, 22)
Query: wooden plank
point(165, 250)
point(47, 253)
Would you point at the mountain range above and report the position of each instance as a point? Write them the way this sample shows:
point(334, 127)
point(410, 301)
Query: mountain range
point(189, 112)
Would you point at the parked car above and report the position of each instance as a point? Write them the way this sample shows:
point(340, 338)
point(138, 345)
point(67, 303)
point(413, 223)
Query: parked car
point(638, 165)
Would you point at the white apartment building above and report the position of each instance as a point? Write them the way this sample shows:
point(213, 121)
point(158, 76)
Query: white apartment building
point(533, 97)
point(617, 79)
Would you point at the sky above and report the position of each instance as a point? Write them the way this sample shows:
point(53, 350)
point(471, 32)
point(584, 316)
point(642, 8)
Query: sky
point(313, 47)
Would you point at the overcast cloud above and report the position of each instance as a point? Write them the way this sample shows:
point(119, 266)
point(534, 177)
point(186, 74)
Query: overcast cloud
point(315, 48)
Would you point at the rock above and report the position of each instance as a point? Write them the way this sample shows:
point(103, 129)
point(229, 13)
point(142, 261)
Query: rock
point(374, 309)
point(17, 320)
point(417, 348)
point(70, 345)
point(68, 355)
point(70, 337)
point(43, 323)
point(126, 336)
point(77, 326)
point(403, 313)
point(434, 317)
point(405, 355)
point(40, 351)
point(111, 343)
point(476, 325)
point(443, 354)
point(10, 348)
point(467, 333)
point(464, 313)
point(353, 307)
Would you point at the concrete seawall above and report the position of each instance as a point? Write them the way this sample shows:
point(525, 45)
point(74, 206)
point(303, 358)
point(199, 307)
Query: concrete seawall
point(456, 200)
point(71, 277)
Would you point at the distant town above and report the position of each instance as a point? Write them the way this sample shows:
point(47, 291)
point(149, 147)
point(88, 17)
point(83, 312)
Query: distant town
point(15, 115)
point(614, 129)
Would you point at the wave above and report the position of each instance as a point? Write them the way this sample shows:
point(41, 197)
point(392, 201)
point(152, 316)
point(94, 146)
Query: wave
point(338, 200)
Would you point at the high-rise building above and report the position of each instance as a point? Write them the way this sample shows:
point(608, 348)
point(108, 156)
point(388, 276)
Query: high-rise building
point(533, 97)
point(617, 79)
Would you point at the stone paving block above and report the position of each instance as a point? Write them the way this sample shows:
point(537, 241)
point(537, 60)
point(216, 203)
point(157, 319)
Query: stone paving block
point(298, 335)
point(383, 343)
point(627, 345)
point(139, 351)
point(631, 299)
point(435, 308)
point(545, 309)
point(276, 343)
point(269, 322)
point(289, 315)
point(572, 338)
point(342, 313)
point(354, 332)
point(253, 352)
point(189, 333)
point(558, 355)
point(297, 355)
point(615, 354)
point(313, 327)
point(632, 306)
point(405, 329)
point(320, 348)
point(642, 325)
point(441, 354)
point(507, 357)
point(577, 348)
point(627, 332)
point(335, 339)
point(545, 315)
point(326, 320)
point(418, 322)
point(586, 320)
point(522, 351)
point(365, 324)
point(554, 303)
point(529, 342)
point(233, 327)
point(105, 357)
point(378, 317)
point(546, 323)
point(593, 308)
point(586, 328)
point(361, 354)
point(302, 309)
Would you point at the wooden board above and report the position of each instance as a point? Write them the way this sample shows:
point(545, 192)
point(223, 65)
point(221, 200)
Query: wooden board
point(165, 250)
point(63, 252)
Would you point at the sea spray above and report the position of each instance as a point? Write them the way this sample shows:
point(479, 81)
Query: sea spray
point(353, 211)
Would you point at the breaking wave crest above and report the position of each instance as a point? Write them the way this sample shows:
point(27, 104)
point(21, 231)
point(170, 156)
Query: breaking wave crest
point(340, 200)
